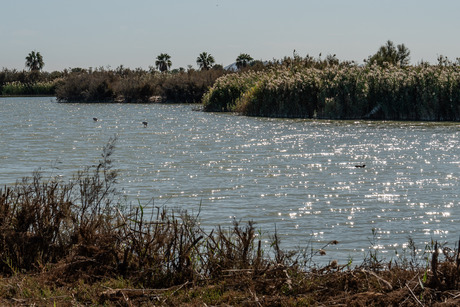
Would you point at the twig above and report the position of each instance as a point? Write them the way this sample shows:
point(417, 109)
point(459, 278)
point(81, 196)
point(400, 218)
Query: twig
point(126, 298)
point(388, 284)
point(146, 290)
point(256, 299)
point(415, 297)
point(181, 286)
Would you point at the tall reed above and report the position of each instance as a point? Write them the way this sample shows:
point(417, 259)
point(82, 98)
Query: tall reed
point(17, 88)
point(342, 91)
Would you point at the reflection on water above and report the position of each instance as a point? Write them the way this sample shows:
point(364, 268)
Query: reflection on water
point(297, 175)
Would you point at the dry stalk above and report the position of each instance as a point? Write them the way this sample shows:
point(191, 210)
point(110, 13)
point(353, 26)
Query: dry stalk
point(414, 296)
point(387, 284)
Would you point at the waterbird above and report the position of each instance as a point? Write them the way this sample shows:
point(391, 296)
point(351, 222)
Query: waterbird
point(95, 119)
point(145, 124)
point(361, 166)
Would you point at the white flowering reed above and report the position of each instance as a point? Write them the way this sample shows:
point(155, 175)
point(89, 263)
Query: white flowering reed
point(342, 92)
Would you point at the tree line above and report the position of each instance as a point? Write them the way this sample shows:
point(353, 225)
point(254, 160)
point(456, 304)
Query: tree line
point(120, 84)
point(327, 87)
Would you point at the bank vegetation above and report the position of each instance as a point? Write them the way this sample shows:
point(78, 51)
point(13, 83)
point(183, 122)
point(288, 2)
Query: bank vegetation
point(112, 85)
point(70, 242)
point(310, 89)
point(385, 87)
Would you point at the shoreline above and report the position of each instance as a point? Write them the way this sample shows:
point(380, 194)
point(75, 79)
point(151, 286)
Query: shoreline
point(160, 100)
point(278, 285)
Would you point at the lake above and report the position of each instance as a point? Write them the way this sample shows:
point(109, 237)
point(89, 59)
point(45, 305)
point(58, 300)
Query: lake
point(297, 176)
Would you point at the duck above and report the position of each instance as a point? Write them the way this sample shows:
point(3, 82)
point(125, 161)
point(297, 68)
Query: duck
point(145, 124)
point(361, 166)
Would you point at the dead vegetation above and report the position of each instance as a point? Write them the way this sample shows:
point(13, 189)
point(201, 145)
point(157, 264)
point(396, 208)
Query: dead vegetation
point(75, 243)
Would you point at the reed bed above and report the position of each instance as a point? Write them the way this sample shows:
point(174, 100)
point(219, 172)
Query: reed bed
point(342, 91)
point(16, 88)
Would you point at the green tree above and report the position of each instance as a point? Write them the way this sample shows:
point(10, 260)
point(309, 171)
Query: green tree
point(243, 60)
point(34, 61)
point(205, 61)
point(163, 62)
point(395, 55)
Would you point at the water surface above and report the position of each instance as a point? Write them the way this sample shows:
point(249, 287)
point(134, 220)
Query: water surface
point(296, 175)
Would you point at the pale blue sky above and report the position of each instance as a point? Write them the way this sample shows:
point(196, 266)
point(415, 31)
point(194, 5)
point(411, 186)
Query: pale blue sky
point(94, 33)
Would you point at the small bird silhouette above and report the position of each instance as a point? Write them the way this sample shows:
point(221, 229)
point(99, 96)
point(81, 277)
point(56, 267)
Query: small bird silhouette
point(95, 119)
point(145, 124)
point(361, 166)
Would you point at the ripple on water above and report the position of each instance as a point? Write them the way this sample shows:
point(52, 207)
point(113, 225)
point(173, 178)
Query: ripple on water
point(297, 175)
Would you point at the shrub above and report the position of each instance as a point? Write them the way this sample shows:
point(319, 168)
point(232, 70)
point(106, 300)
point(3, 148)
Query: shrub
point(189, 87)
point(83, 87)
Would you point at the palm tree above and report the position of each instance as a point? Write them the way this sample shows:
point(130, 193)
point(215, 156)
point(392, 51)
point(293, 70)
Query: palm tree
point(34, 61)
point(243, 60)
point(205, 61)
point(163, 62)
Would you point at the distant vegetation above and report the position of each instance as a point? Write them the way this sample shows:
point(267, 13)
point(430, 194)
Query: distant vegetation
point(343, 91)
point(122, 84)
point(125, 85)
point(17, 83)
point(31, 82)
point(385, 87)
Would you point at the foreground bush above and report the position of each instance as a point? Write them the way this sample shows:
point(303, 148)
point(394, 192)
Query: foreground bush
point(81, 229)
point(342, 91)
point(75, 243)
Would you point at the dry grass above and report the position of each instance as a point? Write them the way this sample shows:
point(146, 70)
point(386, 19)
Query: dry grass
point(73, 243)
point(275, 286)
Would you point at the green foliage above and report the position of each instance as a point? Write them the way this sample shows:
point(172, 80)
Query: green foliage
point(390, 54)
point(341, 91)
point(243, 60)
point(34, 61)
point(227, 90)
point(205, 61)
point(163, 62)
point(38, 88)
point(17, 83)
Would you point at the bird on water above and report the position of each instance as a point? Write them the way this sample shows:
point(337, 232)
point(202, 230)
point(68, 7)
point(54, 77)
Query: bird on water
point(95, 119)
point(361, 166)
point(145, 124)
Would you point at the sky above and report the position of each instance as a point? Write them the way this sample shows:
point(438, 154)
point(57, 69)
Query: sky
point(109, 33)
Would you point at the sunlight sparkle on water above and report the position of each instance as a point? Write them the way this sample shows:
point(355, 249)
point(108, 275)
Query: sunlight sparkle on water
point(299, 175)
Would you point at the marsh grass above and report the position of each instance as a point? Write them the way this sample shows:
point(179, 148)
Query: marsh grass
point(16, 88)
point(77, 242)
point(341, 91)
